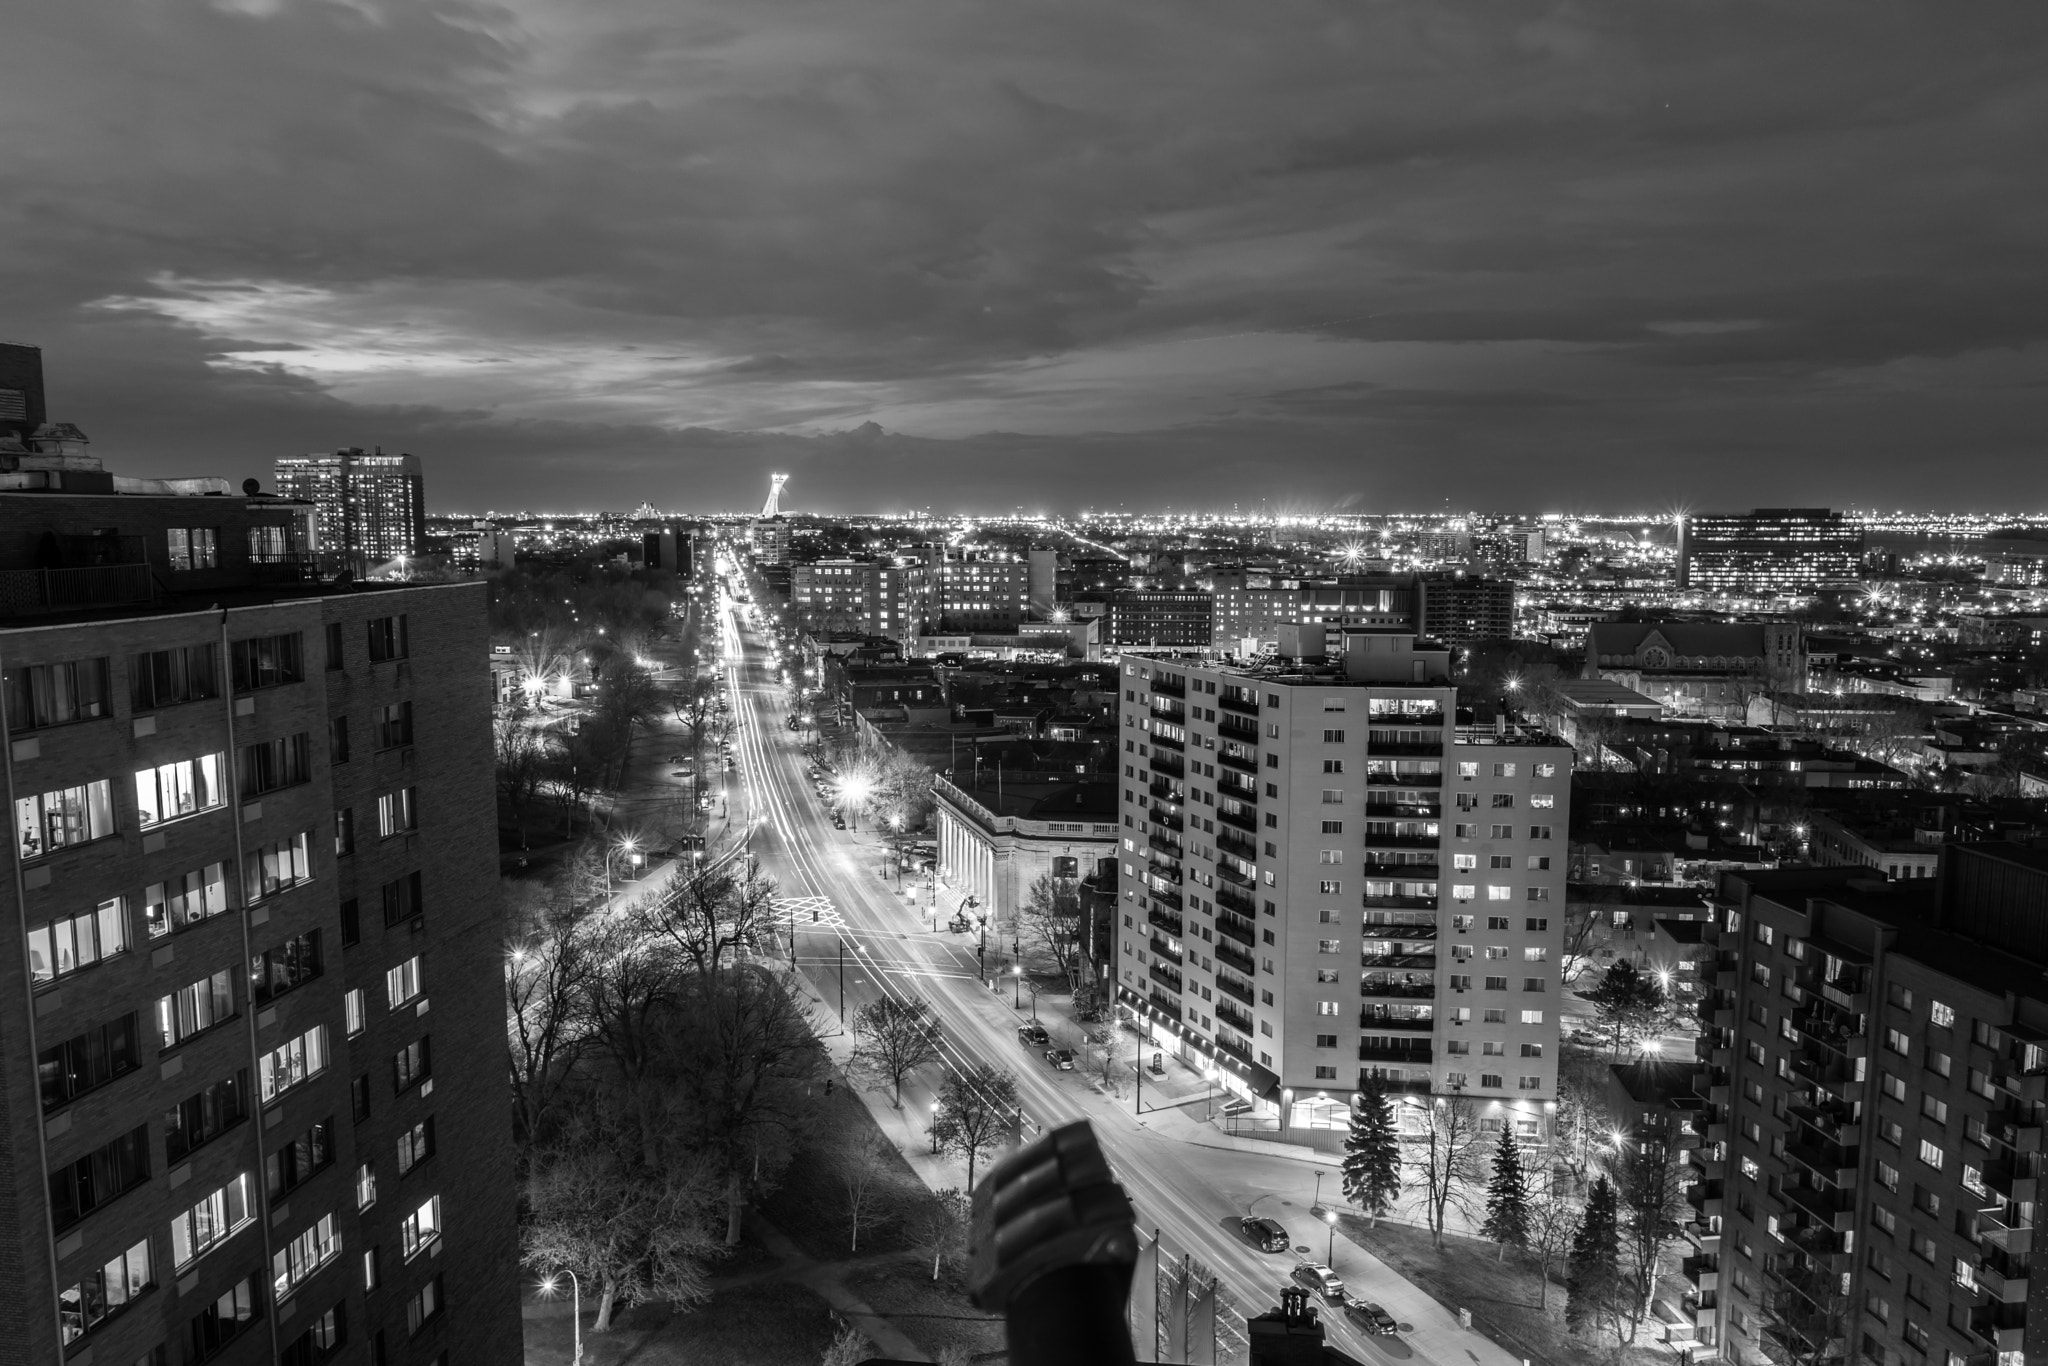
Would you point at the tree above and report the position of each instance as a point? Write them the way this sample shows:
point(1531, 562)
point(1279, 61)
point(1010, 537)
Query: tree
point(1583, 1118)
point(1629, 1004)
point(1807, 1311)
point(1553, 1219)
point(696, 707)
point(1592, 1276)
point(627, 1231)
point(626, 998)
point(941, 1225)
point(896, 1039)
point(1447, 1161)
point(847, 1348)
point(1052, 920)
point(739, 1065)
point(860, 1166)
point(1650, 1189)
point(1580, 918)
point(1106, 1044)
point(1507, 1197)
point(710, 917)
point(547, 962)
point(520, 758)
point(1372, 1153)
point(977, 1112)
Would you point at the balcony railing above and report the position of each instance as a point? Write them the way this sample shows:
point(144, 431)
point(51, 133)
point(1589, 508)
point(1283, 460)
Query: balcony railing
point(1229, 873)
point(1399, 903)
point(1392, 1050)
point(1238, 1021)
point(1387, 987)
point(1165, 843)
point(26, 591)
point(1379, 1020)
point(1231, 927)
point(1377, 840)
point(1164, 791)
point(1238, 820)
point(1170, 923)
point(1172, 765)
point(1400, 929)
point(1159, 815)
point(1244, 763)
point(1233, 842)
point(1242, 706)
point(1166, 950)
point(1164, 975)
point(1405, 748)
point(1238, 728)
point(1232, 956)
point(1424, 961)
point(1162, 684)
point(1165, 1006)
point(1834, 1210)
point(1230, 988)
point(1380, 867)
point(1159, 739)
point(1164, 897)
point(1417, 780)
point(1232, 899)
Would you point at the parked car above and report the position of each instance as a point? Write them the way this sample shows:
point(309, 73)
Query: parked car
point(838, 821)
point(1267, 1235)
point(1033, 1035)
point(1368, 1316)
point(1319, 1278)
point(1062, 1059)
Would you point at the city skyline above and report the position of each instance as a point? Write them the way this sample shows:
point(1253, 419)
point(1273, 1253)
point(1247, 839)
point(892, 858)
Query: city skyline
point(1597, 257)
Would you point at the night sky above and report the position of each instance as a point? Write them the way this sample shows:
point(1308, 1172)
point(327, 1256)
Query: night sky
point(985, 254)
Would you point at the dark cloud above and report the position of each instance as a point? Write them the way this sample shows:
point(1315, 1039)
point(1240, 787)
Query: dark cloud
point(1575, 253)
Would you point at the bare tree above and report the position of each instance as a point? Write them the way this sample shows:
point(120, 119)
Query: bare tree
point(630, 1232)
point(860, 1166)
point(1446, 1160)
point(977, 1113)
point(1584, 1121)
point(847, 1348)
point(896, 1039)
point(1649, 1184)
point(520, 759)
point(1052, 921)
point(1808, 1310)
point(710, 917)
point(1580, 919)
point(940, 1227)
point(627, 996)
point(1553, 1218)
point(547, 962)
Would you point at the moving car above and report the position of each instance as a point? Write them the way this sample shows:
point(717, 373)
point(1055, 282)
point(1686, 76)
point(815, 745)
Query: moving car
point(1368, 1316)
point(1267, 1235)
point(1033, 1035)
point(1319, 1278)
point(1062, 1059)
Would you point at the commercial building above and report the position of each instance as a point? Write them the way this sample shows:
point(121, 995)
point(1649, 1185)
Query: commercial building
point(1875, 1065)
point(21, 390)
point(1000, 834)
point(1323, 876)
point(1794, 551)
point(1158, 619)
point(975, 593)
point(252, 842)
point(372, 506)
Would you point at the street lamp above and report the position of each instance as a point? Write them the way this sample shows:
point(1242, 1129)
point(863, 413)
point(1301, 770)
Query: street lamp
point(1016, 980)
point(550, 1288)
point(625, 846)
point(854, 790)
point(1330, 1255)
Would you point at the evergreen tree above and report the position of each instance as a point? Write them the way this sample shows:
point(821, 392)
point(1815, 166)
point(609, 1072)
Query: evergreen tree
point(1507, 1197)
point(1592, 1273)
point(1372, 1153)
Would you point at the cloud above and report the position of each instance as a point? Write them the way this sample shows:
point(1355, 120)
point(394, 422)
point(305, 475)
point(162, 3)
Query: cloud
point(1148, 240)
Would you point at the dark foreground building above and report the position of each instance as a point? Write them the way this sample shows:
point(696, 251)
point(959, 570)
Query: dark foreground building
point(252, 1102)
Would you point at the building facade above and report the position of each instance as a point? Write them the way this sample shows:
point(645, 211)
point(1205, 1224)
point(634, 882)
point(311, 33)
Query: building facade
point(372, 506)
point(1323, 876)
point(1875, 1061)
point(1793, 551)
point(994, 842)
point(252, 842)
point(1158, 619)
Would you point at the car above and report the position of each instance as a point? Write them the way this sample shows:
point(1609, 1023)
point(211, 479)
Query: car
point(1319, 1278)
point(1062, 1059)
point(838, 822)
point(1267, 1235)
point(1368, 1315)
point(1033, 1035)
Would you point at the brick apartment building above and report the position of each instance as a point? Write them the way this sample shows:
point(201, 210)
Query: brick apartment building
point(1872, 1100)
point(1324, 876)
point(252, 844)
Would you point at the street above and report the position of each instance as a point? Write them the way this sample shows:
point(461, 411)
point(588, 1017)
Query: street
point(1192, 1195)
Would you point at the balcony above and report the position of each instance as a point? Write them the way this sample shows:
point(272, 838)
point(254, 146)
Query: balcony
point(1159, 815)
point(1397, 1086)
point(1170, 687)
point(2024, 1086)
point(1165, 1006)
point(1165, 976)
point(1703, 1274)
point(1230, 874)
point(1165, 872)
point(1390, 987)
point(1165, 844)
point(1376, 1020)
point(1375, 839)
point(1172, 765)
point(1434, 716)
point(1238, 728)
point(1432, 749)
point(1231, 899)
point(1834, 1163)
point(1378, 867)
point(1415, 780)
point(1170, 923)
point(1240, 820)
point(1237, 928)
point(1400, 929)
point(2017, 1127)
point(1243, 763)
point(1399, 903)
point(1232, 956)
point(1243, 706)
point(2004, 1279)
point(2014, 1178)
point(1398, 962)
point(1706, 1199)
point(1832, 1210)
point(1380, 805)
point(26, 591)
point(1164, 897)
point(1391, 1051)
point(1238, 787)
point(1234, 989)
point(1159, 739)
point(1164, 791)
point(1238, 1021)
point(1234, 842)
point(1831, 1121)
point(2001, 1326)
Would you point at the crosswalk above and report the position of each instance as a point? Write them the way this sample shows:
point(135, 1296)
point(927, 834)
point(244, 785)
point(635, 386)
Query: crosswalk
point(809, 910)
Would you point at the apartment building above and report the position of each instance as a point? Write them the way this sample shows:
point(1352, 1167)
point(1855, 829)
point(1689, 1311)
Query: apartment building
point(1875, 1063)
point(372, 506)
point(1323, 876)
point(252, 844)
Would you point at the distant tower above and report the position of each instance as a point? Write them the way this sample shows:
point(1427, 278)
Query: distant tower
point(773, 507)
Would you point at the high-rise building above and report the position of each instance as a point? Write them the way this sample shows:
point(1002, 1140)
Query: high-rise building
point(21, 390)
point(372, 506)
point(1323, 876)
point(251, 842)
point(1870, 1114)
point(1768, 551)
point(1464, 609)
point(1159, 619)
point(1450, 609)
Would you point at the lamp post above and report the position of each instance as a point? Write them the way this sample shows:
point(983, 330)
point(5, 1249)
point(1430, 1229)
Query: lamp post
point(548, 1288)
point(626, 846)
point(1016, 992)
point(1330, 1254)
